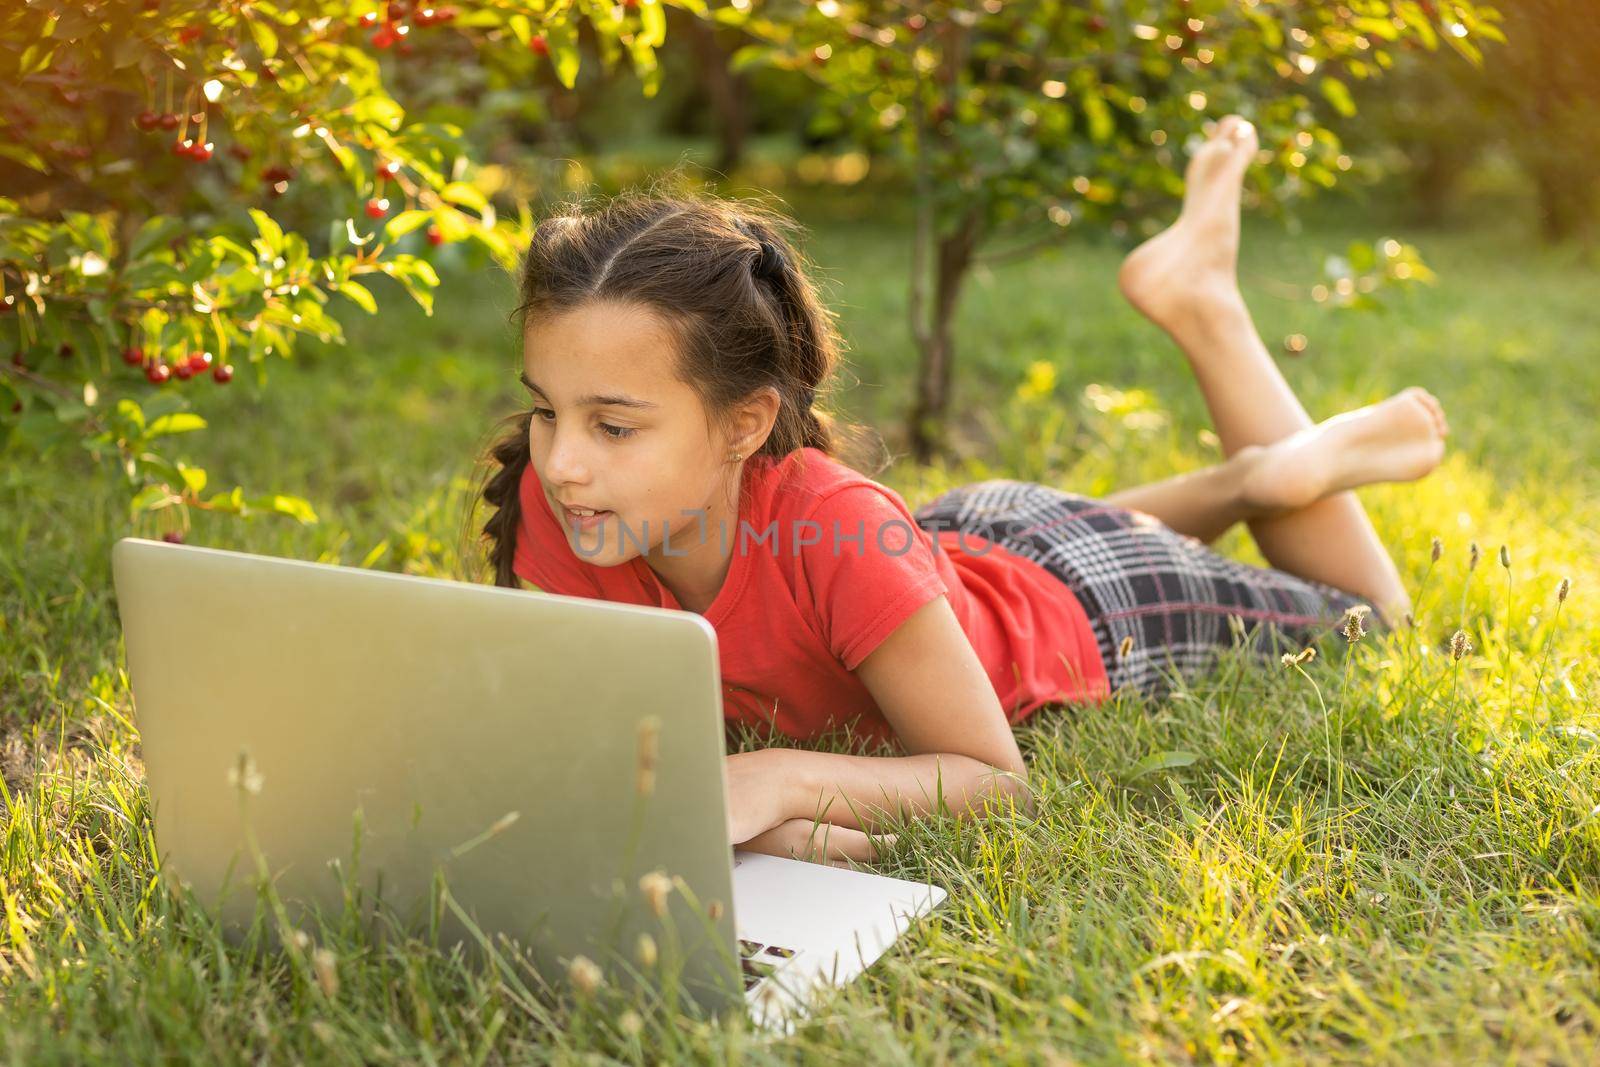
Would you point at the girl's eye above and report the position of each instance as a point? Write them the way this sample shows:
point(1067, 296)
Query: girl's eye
point(616, 433)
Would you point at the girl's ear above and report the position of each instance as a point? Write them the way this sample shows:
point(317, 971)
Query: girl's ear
point(753, 420)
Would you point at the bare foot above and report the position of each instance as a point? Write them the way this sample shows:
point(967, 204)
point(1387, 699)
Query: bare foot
point(1395, 440)
point(1190, 266)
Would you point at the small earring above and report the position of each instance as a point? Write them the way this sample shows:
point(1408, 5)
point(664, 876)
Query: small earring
point(736, 457)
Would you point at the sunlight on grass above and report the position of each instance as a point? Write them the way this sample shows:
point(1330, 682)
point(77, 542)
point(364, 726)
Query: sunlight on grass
point(1389, 854)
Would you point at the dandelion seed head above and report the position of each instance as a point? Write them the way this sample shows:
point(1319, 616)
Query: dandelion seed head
point(326, 966)
point(1305, 655)
point(1354, 622)
point(585, 975)
point(244, 775)
point(630, 1023)
point(656, 887)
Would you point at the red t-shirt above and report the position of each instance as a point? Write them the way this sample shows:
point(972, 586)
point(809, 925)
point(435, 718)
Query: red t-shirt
point(806, 599)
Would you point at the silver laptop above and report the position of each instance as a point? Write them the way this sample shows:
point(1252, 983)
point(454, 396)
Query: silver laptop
point(514, 770)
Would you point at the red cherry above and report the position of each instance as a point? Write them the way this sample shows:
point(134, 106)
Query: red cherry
point(538, 45)
point(444, 14)
point(435, 238)
point(425, 16)
point(275, 174)
point(190, 34)
point(239, 152)
point(167, 120)
point(201, 152)
point(383, 38)
point(388, 168)
point(173, 537)
point(183, 371)
point(223, 373)
point(377, 207)
point(183, 147)
point(157, 373)
point(631, 5)
point(199, 361)
point(133, 356)
point(369, 20)
point(268, 74)
point(147, 120)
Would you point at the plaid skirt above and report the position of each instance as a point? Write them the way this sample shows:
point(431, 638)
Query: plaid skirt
point(1159, 602)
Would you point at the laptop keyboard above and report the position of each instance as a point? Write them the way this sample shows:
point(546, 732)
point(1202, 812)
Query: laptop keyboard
point(757, 961)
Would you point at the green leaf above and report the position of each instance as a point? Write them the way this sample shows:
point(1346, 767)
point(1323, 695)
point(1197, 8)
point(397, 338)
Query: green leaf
point(1338, 96)
point(292, 506)
point(181, 422)
point(194, 478)
point(156, 231)
point(465, 195)
point(1159, 761)
point(265, 38)
point(361, 296)
point(271, 232)
point(404, 223)
point(147, 498)
point(652, 24)
point(563, 39)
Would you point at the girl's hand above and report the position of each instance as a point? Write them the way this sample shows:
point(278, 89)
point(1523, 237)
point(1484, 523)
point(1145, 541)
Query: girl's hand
point(758, 793)
point(819, 842)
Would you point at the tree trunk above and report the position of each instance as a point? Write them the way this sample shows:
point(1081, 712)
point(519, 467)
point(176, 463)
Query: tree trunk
point(725, 90)
point(936, 340)
point(1566, 202)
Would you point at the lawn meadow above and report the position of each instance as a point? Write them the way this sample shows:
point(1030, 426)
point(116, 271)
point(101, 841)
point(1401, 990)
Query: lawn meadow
point(1389, 856)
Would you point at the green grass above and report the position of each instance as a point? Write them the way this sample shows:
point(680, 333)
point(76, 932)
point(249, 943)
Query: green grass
point(1391, 857)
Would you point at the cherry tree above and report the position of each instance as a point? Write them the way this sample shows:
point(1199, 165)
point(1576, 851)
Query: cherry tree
point(186, 186)
point(1019, 120)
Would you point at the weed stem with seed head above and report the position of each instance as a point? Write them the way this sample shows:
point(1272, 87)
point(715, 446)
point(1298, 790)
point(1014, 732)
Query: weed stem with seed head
point(1544, 661)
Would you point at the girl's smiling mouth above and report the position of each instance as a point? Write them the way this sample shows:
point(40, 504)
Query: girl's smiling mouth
point(585, 520)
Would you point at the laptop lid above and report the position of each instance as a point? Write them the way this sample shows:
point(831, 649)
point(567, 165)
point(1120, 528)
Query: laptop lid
point(489, 734)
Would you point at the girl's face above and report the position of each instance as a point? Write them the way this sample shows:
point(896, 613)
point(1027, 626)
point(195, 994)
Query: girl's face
point(615, 430)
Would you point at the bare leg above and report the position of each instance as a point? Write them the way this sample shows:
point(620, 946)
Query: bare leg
point(1395, 440)
point(1184, 280)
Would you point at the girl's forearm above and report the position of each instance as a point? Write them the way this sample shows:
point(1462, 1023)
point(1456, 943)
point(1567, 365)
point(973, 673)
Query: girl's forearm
point(858, 791)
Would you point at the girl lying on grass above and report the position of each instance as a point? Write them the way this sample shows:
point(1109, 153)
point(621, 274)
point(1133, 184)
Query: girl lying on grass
point(673, 456)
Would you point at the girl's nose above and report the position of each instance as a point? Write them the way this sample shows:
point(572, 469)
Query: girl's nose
point(565, 463)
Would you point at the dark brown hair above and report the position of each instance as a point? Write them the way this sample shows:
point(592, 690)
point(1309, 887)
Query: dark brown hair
point(737, 297)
